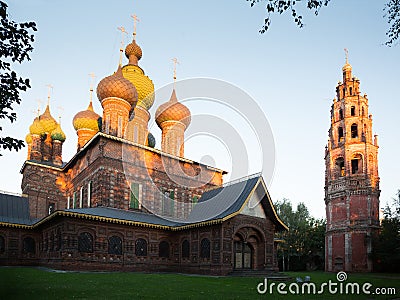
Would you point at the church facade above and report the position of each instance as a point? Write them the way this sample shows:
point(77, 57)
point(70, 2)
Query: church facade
point(122, 204)
point(351, 180)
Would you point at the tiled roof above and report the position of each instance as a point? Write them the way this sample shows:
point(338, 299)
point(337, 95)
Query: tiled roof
point(223, 201)
point(127, 215)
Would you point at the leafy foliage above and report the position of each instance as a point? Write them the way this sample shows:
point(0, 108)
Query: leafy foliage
point(15, 44)
point(386, 250)
point(392, 9)
point(281, 6)
point(304, 243)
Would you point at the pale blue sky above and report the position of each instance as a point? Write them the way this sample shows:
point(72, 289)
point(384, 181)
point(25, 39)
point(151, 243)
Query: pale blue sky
point(291, 73)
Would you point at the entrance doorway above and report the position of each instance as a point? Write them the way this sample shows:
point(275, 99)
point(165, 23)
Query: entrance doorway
point(243, 255)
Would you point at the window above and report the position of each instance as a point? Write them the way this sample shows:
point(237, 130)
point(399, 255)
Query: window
point(107, 129)
point(340, 166)
point(135, 194)
point(340, 134)
point(115, 245)
point(119, 134)
point(135, 134)
point(2, 244)
point(354, 166)
point(185, 249)
point(141, 247)
point(168, 203)
point(29, 245)
point(344, 92)
point(81, 197)
point(354, 131)
point(353, 111)
point(363, 111)
point(89, 196)
point(351, 91)
point(340, 114)
point(68, 202)
point(163, 249)
point(74, 200)
point(85, 242)
point(205, 248)
point(51, 208)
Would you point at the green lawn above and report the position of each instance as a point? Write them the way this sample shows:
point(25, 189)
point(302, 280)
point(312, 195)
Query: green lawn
point(31, 283)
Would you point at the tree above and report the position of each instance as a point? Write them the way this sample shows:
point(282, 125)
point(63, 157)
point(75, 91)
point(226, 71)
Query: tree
point(386, 248)
point(303, 245)
point(392, 9)
point(15, 44)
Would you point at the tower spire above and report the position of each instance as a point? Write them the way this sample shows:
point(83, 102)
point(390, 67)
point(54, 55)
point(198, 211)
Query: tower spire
point(175, 61)
point(135, 20)
point(50, 89)
point(92, 79)
point(39, 101)
point(121, 50)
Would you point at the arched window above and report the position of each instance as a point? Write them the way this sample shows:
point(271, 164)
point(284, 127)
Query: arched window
point(2, 244)
point(340, 114)
point(340, 134)
point(185, 249)
point(85, 242)
point(363, 111)
point(353, 111)
point(141, 247)
point(340, 166)
point(356, 164)
point(354, 131)
point(29, 245)
point(115, 245)
point(205, 248)
point(351, 91)
point(163, 249)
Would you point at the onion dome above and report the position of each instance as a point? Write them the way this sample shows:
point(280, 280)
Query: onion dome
point(47, 121)
point(143, 84)
point(133, 52)
point(86, 119)
point(173, 111)
point(28, 139)
point(347, 67)
point(36, 127)
point(117, 86)
point(151, 140)
point(57, 134)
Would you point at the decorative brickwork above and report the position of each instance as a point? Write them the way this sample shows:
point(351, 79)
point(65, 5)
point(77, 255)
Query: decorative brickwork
point(351, 180)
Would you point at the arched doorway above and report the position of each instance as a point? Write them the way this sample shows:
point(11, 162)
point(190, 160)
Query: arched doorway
point(244, 255)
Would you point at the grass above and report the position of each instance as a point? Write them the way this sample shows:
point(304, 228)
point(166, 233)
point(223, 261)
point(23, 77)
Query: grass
point(32, 283)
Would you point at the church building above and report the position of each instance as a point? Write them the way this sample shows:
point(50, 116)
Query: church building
point(351, 180)
point(121, 204)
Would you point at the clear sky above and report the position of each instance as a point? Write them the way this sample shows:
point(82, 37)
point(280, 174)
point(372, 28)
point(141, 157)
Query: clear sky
point(290, 73)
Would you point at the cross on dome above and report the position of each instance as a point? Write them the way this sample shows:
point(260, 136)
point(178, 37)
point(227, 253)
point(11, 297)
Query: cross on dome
point(135, 20)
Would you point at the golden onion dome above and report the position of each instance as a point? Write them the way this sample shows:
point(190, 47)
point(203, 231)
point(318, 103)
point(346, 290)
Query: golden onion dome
point(57, 134)
point(173, 111)
point(347, 67)
point(36, 127)
point(28, 139)
point(133, 52)
point(143, 84)
point(86, 119)
point(117, 86)
point(47, 121)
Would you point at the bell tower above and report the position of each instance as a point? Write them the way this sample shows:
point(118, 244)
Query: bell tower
point(351, 180)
